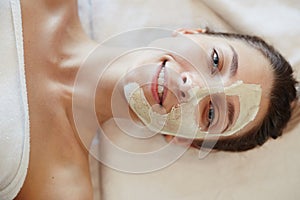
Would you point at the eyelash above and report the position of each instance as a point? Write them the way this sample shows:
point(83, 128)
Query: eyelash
point(210, 114)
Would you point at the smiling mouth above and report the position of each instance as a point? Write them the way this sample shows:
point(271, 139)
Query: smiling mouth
point(159, 84)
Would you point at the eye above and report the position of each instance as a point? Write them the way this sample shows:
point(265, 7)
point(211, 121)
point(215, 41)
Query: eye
point(210, 114)
point(215, 61)
point(215, 58)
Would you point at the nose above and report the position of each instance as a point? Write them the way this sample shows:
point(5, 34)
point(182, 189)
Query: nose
point(189, 80)
point(186, 83)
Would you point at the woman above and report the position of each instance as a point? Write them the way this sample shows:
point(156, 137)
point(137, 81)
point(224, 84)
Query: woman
point(55, 46)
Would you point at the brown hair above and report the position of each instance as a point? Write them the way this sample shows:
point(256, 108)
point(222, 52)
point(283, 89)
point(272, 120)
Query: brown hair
point(283, 92)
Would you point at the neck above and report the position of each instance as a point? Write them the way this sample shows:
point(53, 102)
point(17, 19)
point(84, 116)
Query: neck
point(53, 29)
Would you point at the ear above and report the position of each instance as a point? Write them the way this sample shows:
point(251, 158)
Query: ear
point(189, 31)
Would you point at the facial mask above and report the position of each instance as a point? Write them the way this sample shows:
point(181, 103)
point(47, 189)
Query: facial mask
point(181, 120)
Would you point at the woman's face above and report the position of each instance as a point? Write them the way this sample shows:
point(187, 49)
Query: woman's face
point(167, 77)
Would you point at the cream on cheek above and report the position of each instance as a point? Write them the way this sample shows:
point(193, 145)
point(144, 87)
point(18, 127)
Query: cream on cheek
point(181, 120)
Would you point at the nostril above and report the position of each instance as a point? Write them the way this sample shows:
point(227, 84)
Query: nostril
point(182, 94)
point(184, 79)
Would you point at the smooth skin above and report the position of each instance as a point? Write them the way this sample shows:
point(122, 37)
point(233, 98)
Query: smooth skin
point(54, 47)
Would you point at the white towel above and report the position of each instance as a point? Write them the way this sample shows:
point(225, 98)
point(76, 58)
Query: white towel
point(14, 118)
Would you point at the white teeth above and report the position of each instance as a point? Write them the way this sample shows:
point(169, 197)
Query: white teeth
point(161, 74)
point(160, 89)
point(161, 81)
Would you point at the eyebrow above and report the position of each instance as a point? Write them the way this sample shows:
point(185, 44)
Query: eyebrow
point(234, 62)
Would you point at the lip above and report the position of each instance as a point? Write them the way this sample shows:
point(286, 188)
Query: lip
point(154, 85)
